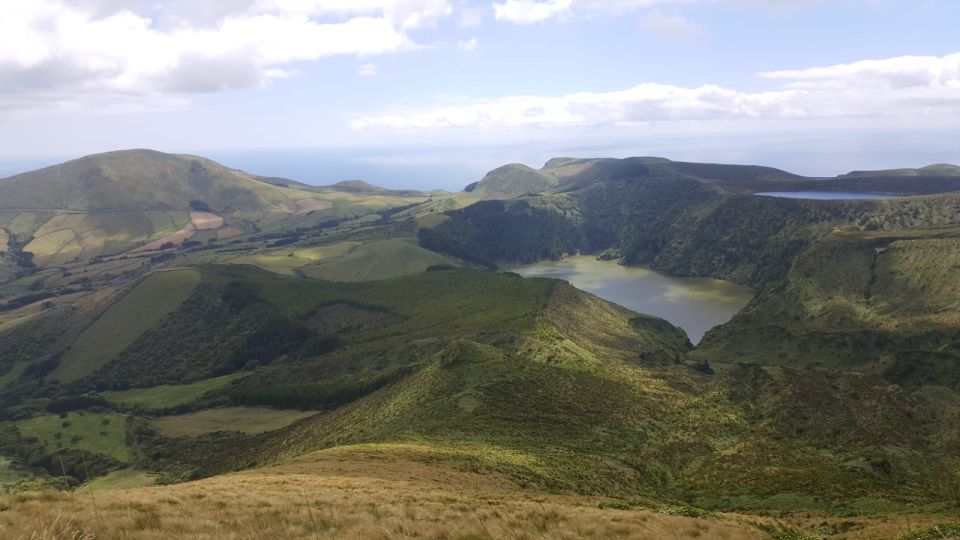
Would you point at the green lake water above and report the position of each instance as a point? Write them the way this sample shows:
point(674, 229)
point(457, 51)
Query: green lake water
point(694, 304)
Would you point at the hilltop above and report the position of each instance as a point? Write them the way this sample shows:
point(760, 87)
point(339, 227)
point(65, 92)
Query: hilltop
point(129, 180)
point(937, 169)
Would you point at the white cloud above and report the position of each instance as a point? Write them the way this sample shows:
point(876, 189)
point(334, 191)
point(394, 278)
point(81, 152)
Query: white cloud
point(468, 45)
point(367, 70)
point(407, 14)
point(642, 103)
point(530, 11)
point(63, 51)
point(907, 86)
point(891, 73)
point(668, 26)
point(473, 16)
point(534, 11)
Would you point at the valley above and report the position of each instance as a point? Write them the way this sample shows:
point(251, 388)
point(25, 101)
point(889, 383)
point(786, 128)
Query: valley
point(346, 360)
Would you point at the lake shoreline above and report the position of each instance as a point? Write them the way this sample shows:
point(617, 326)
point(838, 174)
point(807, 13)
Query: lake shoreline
point(829, 195)
point(695, 304)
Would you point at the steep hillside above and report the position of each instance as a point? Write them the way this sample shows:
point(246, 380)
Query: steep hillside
point(888, 302)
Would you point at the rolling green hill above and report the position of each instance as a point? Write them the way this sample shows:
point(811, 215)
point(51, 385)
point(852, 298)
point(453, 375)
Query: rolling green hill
point(140, 180)
point(109, 203)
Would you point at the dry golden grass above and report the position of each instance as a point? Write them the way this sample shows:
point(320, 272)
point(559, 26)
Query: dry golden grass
point(339, 495)
point(384, 491)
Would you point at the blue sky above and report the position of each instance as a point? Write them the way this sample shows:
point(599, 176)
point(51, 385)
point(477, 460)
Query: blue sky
point(465, 85)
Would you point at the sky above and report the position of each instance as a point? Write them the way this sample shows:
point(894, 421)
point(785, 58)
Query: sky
point(431, 93)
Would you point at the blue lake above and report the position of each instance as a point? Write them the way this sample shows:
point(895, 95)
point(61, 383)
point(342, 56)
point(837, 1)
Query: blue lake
point(827, 195)
point(694, 304)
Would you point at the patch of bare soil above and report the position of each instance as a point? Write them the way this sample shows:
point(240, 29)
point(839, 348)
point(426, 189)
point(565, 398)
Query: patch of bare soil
point(305, 206)
point(199, 221)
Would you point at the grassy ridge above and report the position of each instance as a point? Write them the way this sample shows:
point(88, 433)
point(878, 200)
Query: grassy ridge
point(168, 395)
point(416, 491)
point(251, 420)
point(354, 494)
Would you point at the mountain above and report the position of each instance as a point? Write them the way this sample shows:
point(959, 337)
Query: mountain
point(511, 181)
point(560, 175)
point(107, 204)
point(141, 180)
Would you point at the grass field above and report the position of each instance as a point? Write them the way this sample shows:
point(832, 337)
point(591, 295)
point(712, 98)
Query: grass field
point(93, 272)
point(168, 395)
point(138, 311)
point(9, 474)
point(20, 286)
point(69, 236)
point(453, 303)
point(377, 260)
point(370, 493)
point(8, 270)
point(122, 479)
point(285, 261)
point(13, 374)
point(103, 433)
point(242, 419)
point(11, 319)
